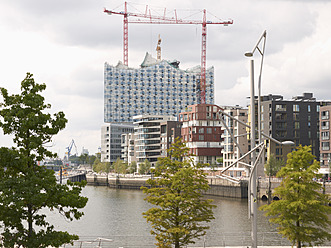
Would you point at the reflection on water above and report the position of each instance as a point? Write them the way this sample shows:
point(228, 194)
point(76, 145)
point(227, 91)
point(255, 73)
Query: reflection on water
point(117, 214)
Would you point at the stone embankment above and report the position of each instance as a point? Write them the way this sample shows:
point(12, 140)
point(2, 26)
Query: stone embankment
point(218, 186)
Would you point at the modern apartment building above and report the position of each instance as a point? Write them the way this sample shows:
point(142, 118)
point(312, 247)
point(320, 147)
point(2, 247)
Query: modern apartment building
point(202, 132)
point(156, 88)
point(234, 149)
point(128, 147)
point(111, 140)
point(325, 140)
point(153, 134)
point(294, 120)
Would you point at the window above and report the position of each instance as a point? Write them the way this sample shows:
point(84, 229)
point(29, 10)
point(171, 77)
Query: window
point(325, 115)
point(209, 130)
point(281, 125)
point(295, 116)
point(281, 116)
point(280, 107)
point(296, 125)
point(201, 130)
point(279, 151)
point(308, 108)
point(325, 125)
point(325, 135)
point(296, 108)
point(201, 137)
point(325, 146)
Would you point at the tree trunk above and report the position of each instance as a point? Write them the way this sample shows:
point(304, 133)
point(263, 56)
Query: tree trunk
point(30, 225)
point(269, 190)
point(298, 239)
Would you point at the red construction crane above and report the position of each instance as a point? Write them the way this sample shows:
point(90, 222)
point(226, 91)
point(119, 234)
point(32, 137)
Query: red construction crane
point(156, 19)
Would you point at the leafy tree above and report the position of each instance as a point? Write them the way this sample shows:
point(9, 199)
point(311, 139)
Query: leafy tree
point(145, 167)
point(302, 211)
point(90, 160)
point(181, 213)
point(99, 166)
point(120, 166)
point(271, 168)
point(132, 167)
point(219, 160)
point(25, 187)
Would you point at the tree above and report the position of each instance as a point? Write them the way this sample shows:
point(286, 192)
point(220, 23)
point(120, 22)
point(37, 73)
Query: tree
point(25, 187)
point(145, 167)
point(132, 167)
point(219, 160)
point(181, 213)
point(120, 167)
point(99, 166)
point(271, 168)
point(302, 211)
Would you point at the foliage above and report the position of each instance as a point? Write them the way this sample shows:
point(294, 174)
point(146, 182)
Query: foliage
point(219, 160)
point(132, 167)
point(271, 168)
point(273, 165)
point(25, 187)
point(99, 166)
point(180, 213)
point(145, 168)
point(302, 211)
point(120, 167)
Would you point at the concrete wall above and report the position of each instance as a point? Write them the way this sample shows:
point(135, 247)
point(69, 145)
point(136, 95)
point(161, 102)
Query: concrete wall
point(218, 186)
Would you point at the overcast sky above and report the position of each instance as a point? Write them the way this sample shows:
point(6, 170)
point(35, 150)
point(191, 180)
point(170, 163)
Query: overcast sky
point(65, 44)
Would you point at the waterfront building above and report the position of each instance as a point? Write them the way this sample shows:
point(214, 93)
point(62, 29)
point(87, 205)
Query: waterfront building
point(294, 120)
point(231, 151)
point(128, 147)
point(111, 140)
point(202, 132)
point(153, 134)
point(325, 139)
point(156, 88)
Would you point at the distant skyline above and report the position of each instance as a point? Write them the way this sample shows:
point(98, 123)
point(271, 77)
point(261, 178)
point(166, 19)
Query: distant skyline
point(66, 43)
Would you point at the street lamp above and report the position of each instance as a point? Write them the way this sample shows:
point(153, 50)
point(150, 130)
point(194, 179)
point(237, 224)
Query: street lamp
point(253, 174)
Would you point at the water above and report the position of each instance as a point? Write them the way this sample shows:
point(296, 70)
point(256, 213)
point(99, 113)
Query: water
point(117, 214)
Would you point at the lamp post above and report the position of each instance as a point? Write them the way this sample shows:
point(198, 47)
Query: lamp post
point(253, 190)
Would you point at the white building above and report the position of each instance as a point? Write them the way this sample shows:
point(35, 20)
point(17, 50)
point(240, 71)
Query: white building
point(111, 140)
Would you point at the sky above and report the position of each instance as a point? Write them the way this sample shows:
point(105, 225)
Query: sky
point(65, 44)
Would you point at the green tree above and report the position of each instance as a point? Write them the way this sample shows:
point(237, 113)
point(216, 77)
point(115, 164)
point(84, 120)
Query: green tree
point(132, 167)
point(120, 166)
point(145, 167)
point(302, 211)
point(219, 160)
point(271, 168)
point(25, 187)
point(99, 166)
point(181, 213)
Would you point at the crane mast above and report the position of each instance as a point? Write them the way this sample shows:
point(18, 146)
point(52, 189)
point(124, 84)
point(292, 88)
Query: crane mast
point(157, 19)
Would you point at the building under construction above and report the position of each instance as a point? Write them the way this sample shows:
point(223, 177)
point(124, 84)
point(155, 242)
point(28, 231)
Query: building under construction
point(158, 87)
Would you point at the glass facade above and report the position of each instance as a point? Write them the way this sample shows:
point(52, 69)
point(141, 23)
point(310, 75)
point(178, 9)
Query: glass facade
point(158, 89)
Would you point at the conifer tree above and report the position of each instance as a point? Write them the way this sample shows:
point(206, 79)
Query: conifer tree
point(302, 211)
point(181, 214)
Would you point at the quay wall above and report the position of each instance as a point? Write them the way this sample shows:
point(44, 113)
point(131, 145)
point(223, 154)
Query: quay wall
point(218, 186)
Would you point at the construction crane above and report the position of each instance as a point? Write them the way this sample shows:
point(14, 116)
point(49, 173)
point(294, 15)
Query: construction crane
point(69, 148)
point(156, 19)
point(158, 49)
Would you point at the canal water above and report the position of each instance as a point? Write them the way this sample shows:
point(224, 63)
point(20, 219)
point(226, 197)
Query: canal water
point(117, 214)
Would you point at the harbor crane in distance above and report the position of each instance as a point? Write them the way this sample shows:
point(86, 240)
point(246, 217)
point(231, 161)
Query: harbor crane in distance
point(158, 19)
point(69, 148)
